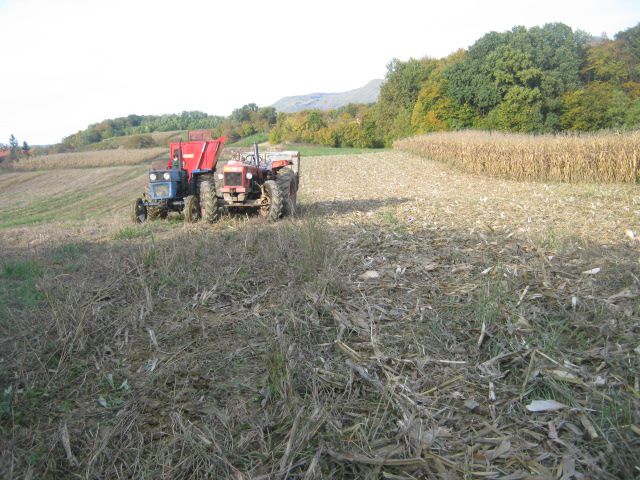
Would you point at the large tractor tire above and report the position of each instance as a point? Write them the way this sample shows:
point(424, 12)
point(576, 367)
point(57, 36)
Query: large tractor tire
point(209, 208)
point(289, 191)
point(138, 211)
point(191, 209)
point(273, 201)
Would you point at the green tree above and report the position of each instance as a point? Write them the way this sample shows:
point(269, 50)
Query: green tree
point(596, 106)
point(520, 111)
point(629, 41)
point(399, 94)
point(470, 81)
point(25, 148)
point(544, 60)
point(605, 63)
point(434, 109)
point(632, 116)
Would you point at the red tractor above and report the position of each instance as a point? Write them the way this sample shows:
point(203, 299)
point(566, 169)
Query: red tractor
point(193, 184)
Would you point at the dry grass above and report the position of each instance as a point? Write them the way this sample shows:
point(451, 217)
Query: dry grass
point(601, 158)
point(277, 358)
point(102, 158)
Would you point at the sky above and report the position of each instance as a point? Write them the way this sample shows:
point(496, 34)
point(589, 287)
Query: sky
point(69, 63)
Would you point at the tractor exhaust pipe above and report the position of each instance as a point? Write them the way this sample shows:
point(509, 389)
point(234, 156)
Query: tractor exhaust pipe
point(255, 153)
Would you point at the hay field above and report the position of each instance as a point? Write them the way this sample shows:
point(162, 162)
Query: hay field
point(412, 322)
point(602, 157)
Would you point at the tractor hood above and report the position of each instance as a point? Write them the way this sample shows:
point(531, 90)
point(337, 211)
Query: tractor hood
point(163, 184)
point(237, 176)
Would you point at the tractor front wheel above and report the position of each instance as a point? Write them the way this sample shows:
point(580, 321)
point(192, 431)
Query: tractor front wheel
point(191, 209)
point(139, 211)
point(273, 200)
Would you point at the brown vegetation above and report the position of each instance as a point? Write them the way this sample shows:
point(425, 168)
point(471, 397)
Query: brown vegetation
point(403, 326)
point(601, 158)
point(101, 158)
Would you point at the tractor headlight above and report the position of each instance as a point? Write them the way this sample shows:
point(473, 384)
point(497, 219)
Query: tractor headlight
point(249, 175)
point(153, 177)
point(166, 176)
point(220, 176)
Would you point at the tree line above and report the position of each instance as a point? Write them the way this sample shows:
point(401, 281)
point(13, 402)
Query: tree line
point(538, 80)
point(14, 150)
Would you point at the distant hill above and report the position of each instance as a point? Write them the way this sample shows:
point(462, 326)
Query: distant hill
point(328, 101)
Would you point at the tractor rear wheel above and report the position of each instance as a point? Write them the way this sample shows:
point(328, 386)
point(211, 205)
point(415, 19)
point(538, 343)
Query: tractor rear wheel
point(209, 208)
point(272, 201)
point(138, 211)
point(191, 209)
point(289, 191)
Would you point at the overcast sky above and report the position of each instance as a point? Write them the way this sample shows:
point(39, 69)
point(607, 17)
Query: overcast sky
point(69, 63)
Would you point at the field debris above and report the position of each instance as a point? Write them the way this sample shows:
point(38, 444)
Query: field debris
point(487, 354)
point(545, 406)
point(592, 271)
point(369, 275)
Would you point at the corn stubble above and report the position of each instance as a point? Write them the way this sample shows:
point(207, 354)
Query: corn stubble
point(605, 158)
point(418, 324)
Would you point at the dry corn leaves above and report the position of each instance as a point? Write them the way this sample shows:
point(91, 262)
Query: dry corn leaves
point(465, 334)
point(460, 279)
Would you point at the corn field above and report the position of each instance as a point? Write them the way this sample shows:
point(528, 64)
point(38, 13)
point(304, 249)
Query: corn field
point(601, 158)
point(91, 159)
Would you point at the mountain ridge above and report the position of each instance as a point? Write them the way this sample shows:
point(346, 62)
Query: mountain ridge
point(328, 101)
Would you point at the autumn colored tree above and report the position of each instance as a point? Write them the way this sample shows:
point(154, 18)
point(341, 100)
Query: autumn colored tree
point(605, 63)
point(13, 147)
point(598, 105)
point(399, 94)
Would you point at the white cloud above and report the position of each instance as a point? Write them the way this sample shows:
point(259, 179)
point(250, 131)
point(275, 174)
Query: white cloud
point(75, 62)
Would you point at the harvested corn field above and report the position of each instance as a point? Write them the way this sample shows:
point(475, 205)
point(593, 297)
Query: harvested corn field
point(412, 322)
point(598, 158)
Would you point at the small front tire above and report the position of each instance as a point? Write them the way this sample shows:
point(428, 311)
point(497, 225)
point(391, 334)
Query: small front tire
point(139, 211)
